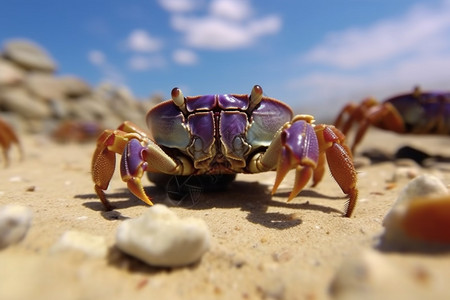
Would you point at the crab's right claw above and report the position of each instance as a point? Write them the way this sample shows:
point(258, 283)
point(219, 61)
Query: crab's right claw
point(132, 167)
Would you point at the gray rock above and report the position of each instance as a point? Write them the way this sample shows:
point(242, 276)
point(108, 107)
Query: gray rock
point(19, 101)
point(44, 85)
point(88, 109)
point(73, 86)
point(15, 220)
point(29, 55)
point(10, 74)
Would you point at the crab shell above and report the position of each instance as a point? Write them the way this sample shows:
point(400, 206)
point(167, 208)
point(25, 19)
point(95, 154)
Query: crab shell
point(218, 132)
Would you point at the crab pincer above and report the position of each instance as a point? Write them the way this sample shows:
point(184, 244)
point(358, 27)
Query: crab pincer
point(299, 150)
point(132, 167)
point(306, 147)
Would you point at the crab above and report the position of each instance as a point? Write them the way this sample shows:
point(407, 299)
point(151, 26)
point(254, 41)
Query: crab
point(8, 137)
point(417, 113)
point(224, 134)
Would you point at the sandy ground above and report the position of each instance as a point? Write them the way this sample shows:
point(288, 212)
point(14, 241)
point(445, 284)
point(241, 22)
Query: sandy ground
point(262, 246)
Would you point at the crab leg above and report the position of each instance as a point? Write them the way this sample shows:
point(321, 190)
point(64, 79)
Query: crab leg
point(139, 154)
point(294, 146)
point(300, 146)
point(7, 138)
point(300, 151)
point(331, 142)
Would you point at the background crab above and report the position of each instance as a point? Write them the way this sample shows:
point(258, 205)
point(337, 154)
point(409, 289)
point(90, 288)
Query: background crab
point(224, 134)
point(7, 138)
point(417, 112)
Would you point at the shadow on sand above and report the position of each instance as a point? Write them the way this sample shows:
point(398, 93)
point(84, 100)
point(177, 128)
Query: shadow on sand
point(252, 197)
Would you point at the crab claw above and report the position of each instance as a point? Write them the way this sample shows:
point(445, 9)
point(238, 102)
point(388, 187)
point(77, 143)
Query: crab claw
point(132, 167)
point(299, 150)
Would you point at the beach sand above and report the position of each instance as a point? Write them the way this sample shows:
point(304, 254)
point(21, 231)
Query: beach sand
point(262, 246)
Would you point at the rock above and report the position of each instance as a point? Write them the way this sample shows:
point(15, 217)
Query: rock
point(365, 276)
point(411, 153)
point(44, 86)
point(29, 55)
point(88, 109)
point(10, 74)
point(401, 173)
point(88, 244)
point(371, 275)
point(160, 238)
point(420, 216)
point(15, 220)
point(73, 86)
point(19, 101)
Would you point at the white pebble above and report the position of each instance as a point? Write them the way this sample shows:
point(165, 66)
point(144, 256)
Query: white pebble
point(363, 276)
point(15, 220)
point(421, 190)
point(422, 186)
point(160, 238)
point(90, 245)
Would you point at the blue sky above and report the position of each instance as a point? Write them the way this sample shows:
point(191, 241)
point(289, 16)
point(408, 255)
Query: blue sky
point(314, 55)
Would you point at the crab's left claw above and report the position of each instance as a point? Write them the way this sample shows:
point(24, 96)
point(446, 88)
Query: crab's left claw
point(132, 167)
point(299, 150)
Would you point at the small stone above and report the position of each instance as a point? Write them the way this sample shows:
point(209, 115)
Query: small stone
point(367, 275)
point(402, 173)
point(91, 245)
point(422, 186)
point(29, 55)
point(420, 216)
point(15, 220)
point(361, 162)
point(160, 238)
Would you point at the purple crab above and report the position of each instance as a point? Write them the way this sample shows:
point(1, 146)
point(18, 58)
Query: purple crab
point(224, 134)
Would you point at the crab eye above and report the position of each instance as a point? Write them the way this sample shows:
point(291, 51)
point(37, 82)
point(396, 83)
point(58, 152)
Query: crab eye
point(177, 97)
point(256, 96)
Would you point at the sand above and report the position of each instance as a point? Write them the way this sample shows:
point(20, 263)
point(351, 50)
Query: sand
point(262, 246)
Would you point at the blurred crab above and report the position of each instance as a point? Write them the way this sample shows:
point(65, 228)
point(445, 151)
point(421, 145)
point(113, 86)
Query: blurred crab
point(417, 113)
point(77, 131)
point(7, 138)
point(224, 134)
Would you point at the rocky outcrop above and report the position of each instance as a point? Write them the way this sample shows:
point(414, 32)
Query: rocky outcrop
point(36, 99)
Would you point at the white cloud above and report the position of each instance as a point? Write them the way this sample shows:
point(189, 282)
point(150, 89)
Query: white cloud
point(211, 32)
point(140, 40)
point(389, 57)
point(178, 6)
point(144, 63)
point(96, 57)
point(185, 57)
point(421, 30)
point(109, 72)
point(227, 24)
point(231, 9)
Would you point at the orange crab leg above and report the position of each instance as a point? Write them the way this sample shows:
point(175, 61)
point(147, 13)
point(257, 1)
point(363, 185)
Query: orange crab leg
point(139, 154)
point(386, 114)
point(7, 138)
point(331, 141)
point(104, 161)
